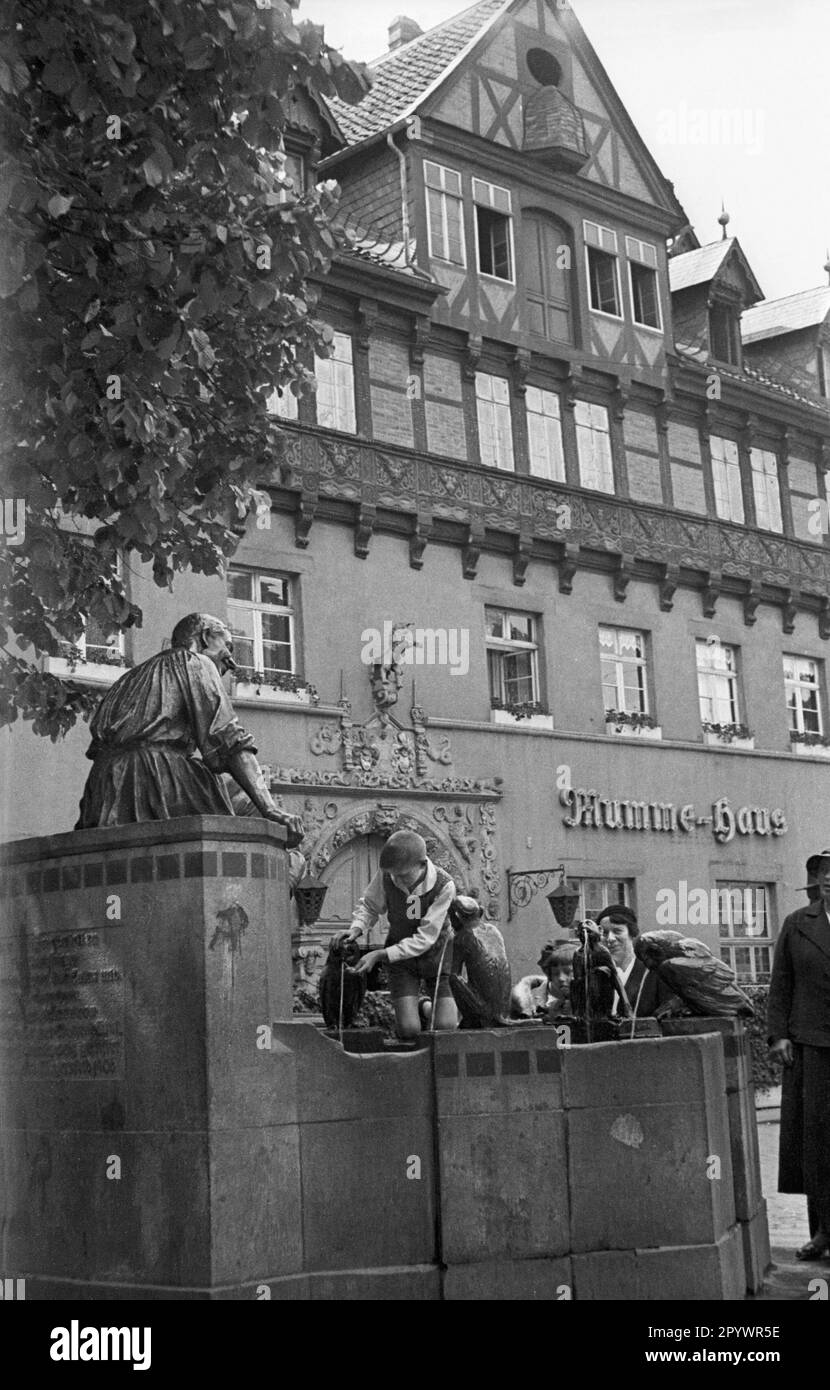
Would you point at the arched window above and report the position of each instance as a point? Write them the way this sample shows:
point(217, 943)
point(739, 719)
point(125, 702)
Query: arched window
point(548, 269)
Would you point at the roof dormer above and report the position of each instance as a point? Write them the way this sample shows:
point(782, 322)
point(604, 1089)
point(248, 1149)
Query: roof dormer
point(711, 287)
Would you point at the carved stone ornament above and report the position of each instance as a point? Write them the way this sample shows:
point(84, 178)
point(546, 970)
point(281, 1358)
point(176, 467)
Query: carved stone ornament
point(461, 839)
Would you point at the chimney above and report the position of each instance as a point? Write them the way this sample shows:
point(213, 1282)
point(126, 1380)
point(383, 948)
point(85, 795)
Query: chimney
point(402, 29)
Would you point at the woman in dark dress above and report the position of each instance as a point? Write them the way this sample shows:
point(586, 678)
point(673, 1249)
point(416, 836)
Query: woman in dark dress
point(799, 1029)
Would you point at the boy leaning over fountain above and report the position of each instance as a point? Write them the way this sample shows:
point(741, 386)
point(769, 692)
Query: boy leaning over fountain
point(415, 895)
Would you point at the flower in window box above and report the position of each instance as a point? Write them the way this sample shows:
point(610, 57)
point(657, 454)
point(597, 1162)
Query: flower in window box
point(812, 740)
point(284, 680)
point(727, 733)
point(636, 719)
point(520, 709)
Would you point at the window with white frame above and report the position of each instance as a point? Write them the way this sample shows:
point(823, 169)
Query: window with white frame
point(495, 430)
point(593, 444)
point(624, 662)
point(595, 894)
point(261, 618)
point(717, 682)
point(744, 917)
point(544, 434)
point(802, 682)
point(512, 658)
point(726, 476)
point(335, 386)
point(445, 213)
point(494, 229)
point(766, 490)
point(642, 276)
point(603, 269)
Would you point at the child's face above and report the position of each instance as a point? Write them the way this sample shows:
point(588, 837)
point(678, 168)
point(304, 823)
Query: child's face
point(407, 877)
point(560, 975)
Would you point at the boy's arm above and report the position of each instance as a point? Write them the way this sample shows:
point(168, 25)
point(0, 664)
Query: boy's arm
point(429, 930)
point(371, 906)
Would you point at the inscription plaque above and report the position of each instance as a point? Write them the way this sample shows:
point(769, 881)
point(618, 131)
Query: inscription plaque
point(62, 1004)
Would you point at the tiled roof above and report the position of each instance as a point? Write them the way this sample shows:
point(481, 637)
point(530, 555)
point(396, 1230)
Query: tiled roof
point(748, 374)
point(404, 74)
point(357, 241)
point(774, 317)
point(698, 267)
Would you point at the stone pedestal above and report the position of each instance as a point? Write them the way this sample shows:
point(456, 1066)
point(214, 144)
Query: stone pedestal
point(141, 1151)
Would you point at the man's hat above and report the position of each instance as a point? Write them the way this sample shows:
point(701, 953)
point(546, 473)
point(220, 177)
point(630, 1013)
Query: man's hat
point(812, 864)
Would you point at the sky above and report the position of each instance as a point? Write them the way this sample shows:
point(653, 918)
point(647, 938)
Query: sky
point(732, 98)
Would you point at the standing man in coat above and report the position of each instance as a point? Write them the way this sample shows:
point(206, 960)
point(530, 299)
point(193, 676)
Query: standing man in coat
point(799, 1035)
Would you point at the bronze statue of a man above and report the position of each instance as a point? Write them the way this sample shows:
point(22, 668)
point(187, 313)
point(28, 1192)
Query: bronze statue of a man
point(148, 727)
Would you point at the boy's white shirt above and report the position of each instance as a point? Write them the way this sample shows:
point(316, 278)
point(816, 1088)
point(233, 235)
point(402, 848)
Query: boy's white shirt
point(373, 905)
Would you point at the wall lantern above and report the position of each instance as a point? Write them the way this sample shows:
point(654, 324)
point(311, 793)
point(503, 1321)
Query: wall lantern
point(564, 901)
point(308, 895)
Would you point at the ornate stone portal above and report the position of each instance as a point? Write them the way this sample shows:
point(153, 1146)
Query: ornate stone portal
point(402, 766)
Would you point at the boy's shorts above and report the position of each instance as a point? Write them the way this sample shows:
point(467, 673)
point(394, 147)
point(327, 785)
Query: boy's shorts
point(406, 977)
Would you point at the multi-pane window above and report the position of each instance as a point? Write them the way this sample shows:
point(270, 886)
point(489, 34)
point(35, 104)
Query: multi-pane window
point(803, 686)
point(335, 386)
point(261, 618)
point(603, 269)
point(544, 434)
point(593, 442)
point(595, 894)
point(642, 273)
point(726, 475)
point(766, 490)
point(744, 915)
point(445, 213)
point(548, 272)
point(717, 683)
point(724, 334)
point(512, 658)
point(494, 231)
point(495, 431)
point(624, 664)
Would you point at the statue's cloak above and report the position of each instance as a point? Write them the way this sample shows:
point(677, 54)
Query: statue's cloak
point(146, 734)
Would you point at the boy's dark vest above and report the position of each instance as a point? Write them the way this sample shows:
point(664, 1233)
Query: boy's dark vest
point(400, 925)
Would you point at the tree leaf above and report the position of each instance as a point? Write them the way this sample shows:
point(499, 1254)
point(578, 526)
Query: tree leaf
point(58, 206)
point(59, 75)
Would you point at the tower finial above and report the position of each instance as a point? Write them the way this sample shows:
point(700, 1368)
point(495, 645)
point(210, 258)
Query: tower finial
point(723, 219)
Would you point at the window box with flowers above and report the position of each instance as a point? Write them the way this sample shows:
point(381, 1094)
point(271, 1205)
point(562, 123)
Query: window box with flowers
point(810, 745)
point(528, 713)
point(633, 724)
point(734, 735)
point(88, 664)
point(273, 688)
